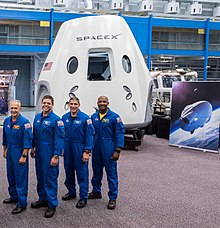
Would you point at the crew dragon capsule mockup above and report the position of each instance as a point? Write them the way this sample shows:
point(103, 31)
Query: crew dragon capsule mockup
point(195, 115)
point(93, 56)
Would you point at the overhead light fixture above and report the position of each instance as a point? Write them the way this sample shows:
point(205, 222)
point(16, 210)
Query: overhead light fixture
point(216, 11)
point(59, 3)
point(145, 6)
point(116, 4)
point(195, 8)
point(88, 4)
point(24, 1)
point(172, 7)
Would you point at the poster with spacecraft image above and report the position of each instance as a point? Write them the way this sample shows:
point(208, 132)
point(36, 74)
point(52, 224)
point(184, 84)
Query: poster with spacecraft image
point(195, 115)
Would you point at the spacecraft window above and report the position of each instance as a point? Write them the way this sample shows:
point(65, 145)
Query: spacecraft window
point(72, 65)
point(98, 66)
point(126, 64)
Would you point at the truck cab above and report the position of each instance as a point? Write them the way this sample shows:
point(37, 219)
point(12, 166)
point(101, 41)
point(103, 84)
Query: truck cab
point(162, 87)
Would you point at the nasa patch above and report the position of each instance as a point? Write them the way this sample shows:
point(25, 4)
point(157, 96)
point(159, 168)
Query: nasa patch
point(89, 121)
point(46, 122)
point(77, 122)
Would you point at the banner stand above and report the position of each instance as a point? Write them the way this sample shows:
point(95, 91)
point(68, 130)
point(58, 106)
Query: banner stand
point(7, 91)
point(195, 116)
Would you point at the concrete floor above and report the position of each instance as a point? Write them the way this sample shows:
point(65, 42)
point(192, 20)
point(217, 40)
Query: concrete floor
point(159, 186)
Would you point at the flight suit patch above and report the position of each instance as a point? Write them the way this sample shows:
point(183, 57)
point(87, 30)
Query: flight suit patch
point(27, 125)
point(77, 121)
point(60, 123)
point(46, 122)
point(16, 127)
point(119, 119)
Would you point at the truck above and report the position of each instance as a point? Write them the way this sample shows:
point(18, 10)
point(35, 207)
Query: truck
point(162, 87)
point(162, 96)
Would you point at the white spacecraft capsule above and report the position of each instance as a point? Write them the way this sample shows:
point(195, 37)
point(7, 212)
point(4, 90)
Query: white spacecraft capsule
point(93, 56)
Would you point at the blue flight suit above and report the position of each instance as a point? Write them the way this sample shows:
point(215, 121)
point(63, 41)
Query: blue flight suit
point(79, 137)
point(17, 136)
point(48, 141)
point(109, 135)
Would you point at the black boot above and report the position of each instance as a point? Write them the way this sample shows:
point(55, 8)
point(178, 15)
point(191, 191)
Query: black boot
point(39, 204)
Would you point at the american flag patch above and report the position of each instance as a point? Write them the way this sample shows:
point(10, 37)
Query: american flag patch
point(60, 123)
point(118, 119)
point(27, 125)
point(47, 66)
point(89, 121)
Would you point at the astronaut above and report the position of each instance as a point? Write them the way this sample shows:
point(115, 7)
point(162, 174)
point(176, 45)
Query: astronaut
point(109, 139)
point(78, 145)
point(17, 140)
point(47, 147)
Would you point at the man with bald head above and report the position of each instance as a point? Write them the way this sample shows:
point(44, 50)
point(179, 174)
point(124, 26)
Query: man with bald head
point(17, 140)
point(109, 139)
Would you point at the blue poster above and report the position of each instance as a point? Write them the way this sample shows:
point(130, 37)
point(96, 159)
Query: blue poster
point(195, 115)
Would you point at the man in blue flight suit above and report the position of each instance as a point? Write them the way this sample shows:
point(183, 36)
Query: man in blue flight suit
point(109, 139)
point(47, 147)
point(78, 145)
point(17, 140)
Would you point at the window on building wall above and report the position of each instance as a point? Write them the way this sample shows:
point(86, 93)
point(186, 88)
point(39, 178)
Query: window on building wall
point(13, 31)
point(23, 33)
point(56, 28)
point(3, 34)
point(214, 40)
point(177, 38)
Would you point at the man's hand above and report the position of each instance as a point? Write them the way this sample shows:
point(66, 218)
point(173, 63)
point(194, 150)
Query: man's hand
point(22, 160)
point(86, 156)
point(32, 152)
point(54, 160)
point(4, 152)
point(115, 156)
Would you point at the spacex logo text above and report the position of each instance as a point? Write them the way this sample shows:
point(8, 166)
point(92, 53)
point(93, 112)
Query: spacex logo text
point(98, 37)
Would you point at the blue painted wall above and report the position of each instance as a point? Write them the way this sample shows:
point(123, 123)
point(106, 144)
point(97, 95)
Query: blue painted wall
point(140, 26)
